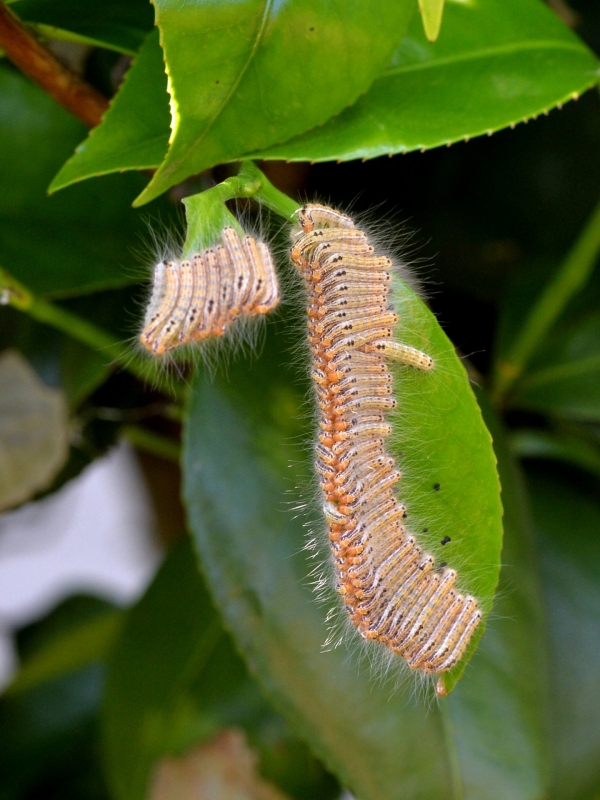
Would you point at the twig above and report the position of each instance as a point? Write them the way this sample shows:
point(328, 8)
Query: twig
point(38, 63)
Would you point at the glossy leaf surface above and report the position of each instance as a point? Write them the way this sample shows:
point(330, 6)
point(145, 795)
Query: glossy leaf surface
point(134, 132)
point(246, 76)
point(240, 438)
point(495, 63)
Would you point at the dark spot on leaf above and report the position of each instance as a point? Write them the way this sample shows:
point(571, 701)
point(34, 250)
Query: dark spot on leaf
point(436, 486)
point(425, 530)
point(445, 540)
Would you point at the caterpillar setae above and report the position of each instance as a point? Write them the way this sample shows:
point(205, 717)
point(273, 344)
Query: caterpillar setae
point(200, 296)
point(390, 587)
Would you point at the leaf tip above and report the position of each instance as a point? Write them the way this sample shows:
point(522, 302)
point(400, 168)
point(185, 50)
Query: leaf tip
point(431, 13)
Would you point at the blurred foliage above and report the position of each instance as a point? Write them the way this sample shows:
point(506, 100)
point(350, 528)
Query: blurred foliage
point(103, 695)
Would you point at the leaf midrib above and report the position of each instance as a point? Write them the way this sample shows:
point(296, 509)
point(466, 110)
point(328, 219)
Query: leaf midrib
point(514, 47)
point(257, 41)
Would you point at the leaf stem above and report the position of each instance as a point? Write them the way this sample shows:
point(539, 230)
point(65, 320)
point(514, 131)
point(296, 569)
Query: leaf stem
point(39, 64)
point(152, 443)
point(15, 294)
point(207, 214)
point(266, 193)
point(570, 278)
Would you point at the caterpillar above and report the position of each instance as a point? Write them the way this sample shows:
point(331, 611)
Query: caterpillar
point(200, 296)
point(390, 587)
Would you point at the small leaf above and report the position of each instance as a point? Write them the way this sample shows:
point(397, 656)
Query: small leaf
point(134, 132)
point(431, 12)
point(101, 23)
point(497, 63)
point(34, 433)
point(247, 76)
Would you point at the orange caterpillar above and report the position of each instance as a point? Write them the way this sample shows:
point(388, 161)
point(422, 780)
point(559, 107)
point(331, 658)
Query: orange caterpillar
point(389, 585)
point(202, 295)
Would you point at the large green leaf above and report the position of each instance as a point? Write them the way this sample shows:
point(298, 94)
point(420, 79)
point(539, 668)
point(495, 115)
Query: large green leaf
point(78, 241)
point(240, 492)
point(567, 520)
point(106, 23)
point(134, 132)
point(174, 679)
point(495, 63)
point(246, 76)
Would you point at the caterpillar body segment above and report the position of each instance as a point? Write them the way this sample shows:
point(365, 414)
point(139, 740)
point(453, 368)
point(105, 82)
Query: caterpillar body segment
point(201, 296)
point(391, 589)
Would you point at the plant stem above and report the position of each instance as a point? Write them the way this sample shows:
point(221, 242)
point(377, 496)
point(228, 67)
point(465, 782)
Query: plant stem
point(152, 443)
point(15, 294)
point(572, 275)
point(266, 193)
point(38, 63)
point(207, 213)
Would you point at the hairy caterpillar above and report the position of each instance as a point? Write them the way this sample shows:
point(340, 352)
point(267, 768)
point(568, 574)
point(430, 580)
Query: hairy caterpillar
point(200, 296)
point(389, 585)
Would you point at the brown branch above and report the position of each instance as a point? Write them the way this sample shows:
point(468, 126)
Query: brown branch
point(38, 63)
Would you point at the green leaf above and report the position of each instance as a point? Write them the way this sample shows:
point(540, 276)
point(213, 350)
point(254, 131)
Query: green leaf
point(174, 679)
point(34, 431)
point(463, 466)
point(431, 12)
point(139, 701)
point(571, 446)
point(497, 63)
point(540, 316)
point(567, 520)
point(79, 241)
point(104, 23)
point(240, 491)
point(134, 132)
point(48, 727)
point(564, 377)
point(78, 646)
point(244, 77)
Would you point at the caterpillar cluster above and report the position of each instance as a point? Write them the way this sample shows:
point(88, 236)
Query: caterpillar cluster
point(390, 587)
point(200, 296)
